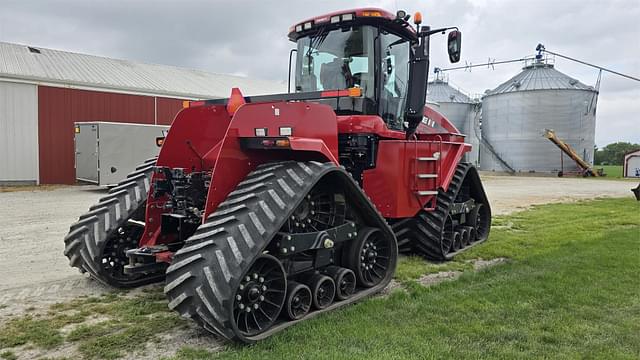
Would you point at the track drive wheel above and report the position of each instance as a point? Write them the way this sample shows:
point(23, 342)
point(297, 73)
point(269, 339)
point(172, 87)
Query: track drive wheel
point(260, 296)
point(369, 256)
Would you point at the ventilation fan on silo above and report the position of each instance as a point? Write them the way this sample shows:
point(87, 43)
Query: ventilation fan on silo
point(517, 84)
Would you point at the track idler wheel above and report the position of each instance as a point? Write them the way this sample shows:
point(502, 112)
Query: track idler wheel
point(369, 257)
point(323, 289)
point(345, 281)
point(298, 301)
point(260, 296)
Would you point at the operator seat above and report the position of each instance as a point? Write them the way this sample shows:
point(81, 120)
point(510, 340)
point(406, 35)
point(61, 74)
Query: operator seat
point(331, 75)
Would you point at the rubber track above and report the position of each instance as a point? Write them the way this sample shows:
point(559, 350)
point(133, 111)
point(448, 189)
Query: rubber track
point(86, 238)
point(423, 233)
point(204, 275)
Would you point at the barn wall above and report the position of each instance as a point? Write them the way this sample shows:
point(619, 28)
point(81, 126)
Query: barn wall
point(167, 110)
point(18, 132)
point(59, 108)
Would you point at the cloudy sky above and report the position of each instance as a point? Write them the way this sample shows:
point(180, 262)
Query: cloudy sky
point(249, 38)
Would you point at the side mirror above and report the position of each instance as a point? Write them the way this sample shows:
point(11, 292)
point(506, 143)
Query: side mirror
point(454, 44)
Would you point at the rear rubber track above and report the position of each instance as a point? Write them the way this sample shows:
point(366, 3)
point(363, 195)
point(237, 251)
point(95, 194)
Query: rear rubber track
point(205, 273)
point(424, 233)
point(86, 240)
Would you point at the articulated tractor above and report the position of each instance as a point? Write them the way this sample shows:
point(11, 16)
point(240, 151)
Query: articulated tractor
point(263, 211)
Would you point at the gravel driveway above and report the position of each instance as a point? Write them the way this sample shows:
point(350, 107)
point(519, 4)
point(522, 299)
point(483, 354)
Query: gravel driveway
point(34, 223)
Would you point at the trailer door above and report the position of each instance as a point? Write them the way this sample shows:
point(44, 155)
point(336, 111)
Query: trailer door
point(86, 140)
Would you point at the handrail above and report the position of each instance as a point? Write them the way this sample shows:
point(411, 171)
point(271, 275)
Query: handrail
point(438, 162)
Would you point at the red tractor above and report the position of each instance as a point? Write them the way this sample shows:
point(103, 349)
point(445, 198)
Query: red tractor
point(261, 212)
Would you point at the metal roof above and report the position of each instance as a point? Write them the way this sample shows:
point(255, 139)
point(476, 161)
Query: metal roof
point(71, 69)
point(440, 91)
point(539, 76)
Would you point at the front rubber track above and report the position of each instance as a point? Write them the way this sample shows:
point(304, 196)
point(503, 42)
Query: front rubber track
point(87, 237)
point(206, 272)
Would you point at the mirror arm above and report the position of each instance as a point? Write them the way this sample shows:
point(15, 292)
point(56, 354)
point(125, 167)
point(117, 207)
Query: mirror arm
point(435, 31)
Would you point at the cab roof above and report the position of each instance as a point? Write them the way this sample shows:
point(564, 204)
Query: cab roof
point(360, 16)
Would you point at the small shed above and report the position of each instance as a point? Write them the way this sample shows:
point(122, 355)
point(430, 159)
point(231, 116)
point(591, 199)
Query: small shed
point(631, 167)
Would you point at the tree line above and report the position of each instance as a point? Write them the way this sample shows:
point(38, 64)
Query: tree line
point(613, 154)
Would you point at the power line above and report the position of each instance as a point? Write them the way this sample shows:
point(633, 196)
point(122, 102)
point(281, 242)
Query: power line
point(487, 64)
point(540, 48)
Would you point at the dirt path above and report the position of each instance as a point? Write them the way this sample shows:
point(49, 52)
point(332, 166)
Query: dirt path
point(510, 193)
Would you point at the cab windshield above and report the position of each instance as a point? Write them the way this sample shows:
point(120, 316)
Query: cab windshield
point(337, 60)
point(345, 58)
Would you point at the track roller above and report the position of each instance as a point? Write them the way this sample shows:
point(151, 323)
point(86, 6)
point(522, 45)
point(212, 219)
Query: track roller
point(345, 280)
point(298, 300)
point(464, 236)
point(471, 231)
point(456, 241)
point(323, 290)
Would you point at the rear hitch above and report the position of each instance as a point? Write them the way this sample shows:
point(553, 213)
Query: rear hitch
point(145, 260)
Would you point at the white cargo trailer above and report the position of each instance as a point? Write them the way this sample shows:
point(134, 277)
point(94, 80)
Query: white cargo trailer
point(107, 151)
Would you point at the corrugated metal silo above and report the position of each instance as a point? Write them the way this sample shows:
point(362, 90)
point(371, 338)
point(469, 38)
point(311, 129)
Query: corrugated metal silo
point(515, 114)
point(462, 111)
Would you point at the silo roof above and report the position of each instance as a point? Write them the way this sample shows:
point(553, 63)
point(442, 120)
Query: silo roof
point(41, 65)
point(539, 76)
point(441, 91)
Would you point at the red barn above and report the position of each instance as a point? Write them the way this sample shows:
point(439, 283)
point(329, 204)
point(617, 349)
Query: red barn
point(43, 92)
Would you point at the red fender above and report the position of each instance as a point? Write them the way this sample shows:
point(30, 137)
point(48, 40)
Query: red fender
point(314, 137)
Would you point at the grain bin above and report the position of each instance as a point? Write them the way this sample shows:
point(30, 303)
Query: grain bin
point(461, 110)
point(515, 114)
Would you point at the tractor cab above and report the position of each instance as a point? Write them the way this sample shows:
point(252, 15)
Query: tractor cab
point(379, 57)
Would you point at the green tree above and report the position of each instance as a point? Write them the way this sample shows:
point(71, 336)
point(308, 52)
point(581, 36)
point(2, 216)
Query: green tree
point(613, 154)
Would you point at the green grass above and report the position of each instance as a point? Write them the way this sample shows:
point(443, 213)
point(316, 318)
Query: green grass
point(571, 290)
point(125, 324)
point(8, 355)
point(612, 171)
